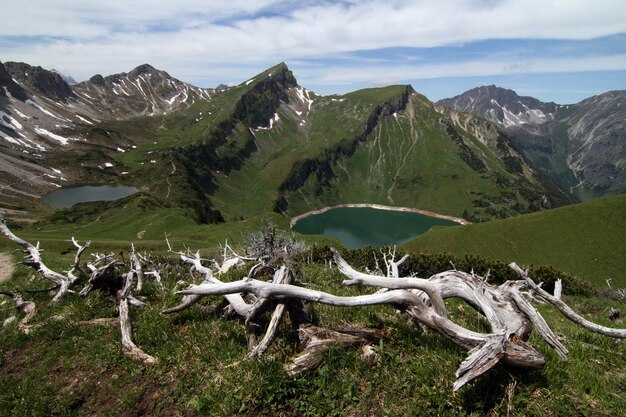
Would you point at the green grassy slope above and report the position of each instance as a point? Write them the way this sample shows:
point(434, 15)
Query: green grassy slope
point(268, 145)
point(71, 368)
point(586, 240)
point(387, 146)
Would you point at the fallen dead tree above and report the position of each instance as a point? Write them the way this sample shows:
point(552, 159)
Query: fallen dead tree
point(33, 259)
point(507, 308)
point(106, 273)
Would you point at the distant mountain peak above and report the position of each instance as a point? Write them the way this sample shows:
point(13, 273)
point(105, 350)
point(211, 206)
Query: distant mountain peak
point(142, 69)
point(279, 72)
point(502, 106)
point(581, 145)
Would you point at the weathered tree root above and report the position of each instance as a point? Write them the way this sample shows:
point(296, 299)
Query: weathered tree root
point(505, 307)
point(106, 276)
point(129, 347)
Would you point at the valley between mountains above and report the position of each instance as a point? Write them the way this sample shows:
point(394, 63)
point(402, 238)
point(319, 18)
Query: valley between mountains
point(234, 157)
point(267, 145)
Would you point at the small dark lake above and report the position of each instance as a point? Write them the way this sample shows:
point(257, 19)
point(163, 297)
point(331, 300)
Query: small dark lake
point(357, 227)
point(67, 197)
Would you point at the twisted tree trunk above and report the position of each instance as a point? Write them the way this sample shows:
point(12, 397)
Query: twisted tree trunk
point(506, 308)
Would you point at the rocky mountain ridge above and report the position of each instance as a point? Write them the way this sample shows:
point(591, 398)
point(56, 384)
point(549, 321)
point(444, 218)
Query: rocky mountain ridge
point(40, 81)
point(582, 146)
point(502, 106)
point(265, 145)
point(143, 91)
point(41, 107)
point(44, 121)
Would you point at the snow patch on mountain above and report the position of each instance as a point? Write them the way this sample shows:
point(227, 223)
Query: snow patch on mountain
point(43, 110)
point(303, 95)
point(9, 122)
point(61, 139)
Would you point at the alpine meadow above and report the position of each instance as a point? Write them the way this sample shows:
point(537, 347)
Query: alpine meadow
point(240, 244)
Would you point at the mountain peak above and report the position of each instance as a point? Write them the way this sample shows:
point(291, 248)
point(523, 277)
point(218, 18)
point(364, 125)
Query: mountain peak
point(279, 73)
point(278, 69)
point(502, 106)
point(39, 80)
point(97, 80)
point(142, 69)
point(8, 86)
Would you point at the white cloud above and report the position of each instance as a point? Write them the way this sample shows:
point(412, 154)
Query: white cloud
point(384, 75)
point(197, 39)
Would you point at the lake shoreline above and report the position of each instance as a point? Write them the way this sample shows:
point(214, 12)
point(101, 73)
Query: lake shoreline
point(299, 217)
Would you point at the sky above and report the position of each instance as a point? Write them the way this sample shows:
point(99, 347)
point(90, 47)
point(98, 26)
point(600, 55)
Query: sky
point(555, 50)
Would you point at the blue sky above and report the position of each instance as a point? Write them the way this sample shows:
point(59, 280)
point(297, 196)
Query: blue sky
point(555, 50)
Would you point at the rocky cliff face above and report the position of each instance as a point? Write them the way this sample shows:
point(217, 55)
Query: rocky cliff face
point(8, 87)
point(582, 146)
point(40, 81)
point(596, 128)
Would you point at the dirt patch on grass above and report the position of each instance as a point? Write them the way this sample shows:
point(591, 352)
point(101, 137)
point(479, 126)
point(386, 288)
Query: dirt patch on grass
point(6, 267)
point(87, 389)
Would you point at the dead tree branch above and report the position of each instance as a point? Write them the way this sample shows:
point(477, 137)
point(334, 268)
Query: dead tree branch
point(33, 259)
point(566, 310)
point(104, 274)
point(29, 309)
point(123, 297)
point(506, 308)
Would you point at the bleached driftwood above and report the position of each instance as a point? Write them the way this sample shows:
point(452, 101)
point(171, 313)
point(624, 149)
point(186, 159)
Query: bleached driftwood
point(247, 307)
point(566, 310)
point(236, 301)
point(316, 340)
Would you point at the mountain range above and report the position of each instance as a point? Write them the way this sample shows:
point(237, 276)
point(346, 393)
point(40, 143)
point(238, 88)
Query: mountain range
point(270, 145)
point(582, 146)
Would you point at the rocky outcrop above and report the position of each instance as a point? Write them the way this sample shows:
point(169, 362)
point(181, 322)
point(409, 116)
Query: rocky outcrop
point(40, 81)
point(257, 106)
point(10, 87)
point(97, 80)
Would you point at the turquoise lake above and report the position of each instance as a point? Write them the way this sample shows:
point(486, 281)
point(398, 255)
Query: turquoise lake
point(67, 197)
point(358, 227)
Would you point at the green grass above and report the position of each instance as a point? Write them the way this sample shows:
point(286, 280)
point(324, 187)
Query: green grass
point(585, 240)
point(71, 369)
